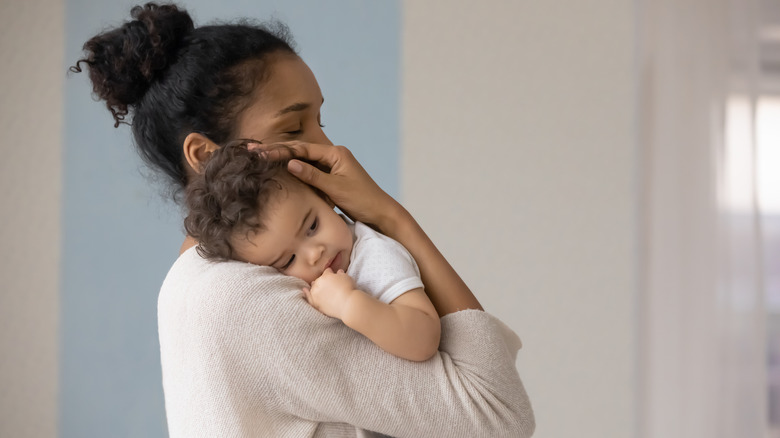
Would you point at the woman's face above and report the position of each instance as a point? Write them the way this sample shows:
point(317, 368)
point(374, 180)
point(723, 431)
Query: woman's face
point(287, 105)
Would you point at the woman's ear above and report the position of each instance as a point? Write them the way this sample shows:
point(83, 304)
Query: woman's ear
point(197, 150)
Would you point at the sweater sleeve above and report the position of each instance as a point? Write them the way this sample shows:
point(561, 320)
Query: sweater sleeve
point(323, 371)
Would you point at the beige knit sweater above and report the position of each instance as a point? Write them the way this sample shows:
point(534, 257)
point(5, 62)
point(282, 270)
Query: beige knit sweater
point(244, 355)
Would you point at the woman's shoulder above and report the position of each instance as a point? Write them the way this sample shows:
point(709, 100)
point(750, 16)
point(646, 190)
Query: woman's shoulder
point(191, 270)
point(193, 281)
point(232, 308)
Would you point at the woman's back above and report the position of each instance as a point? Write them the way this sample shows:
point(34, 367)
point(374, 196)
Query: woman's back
point(217, 355)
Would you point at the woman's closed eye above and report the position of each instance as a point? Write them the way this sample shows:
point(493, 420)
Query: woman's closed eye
point(299, 129)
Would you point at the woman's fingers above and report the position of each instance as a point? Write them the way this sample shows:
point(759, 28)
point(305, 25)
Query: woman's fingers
point(253, 145)
point(344, 180)
point(276, 151)
point(325, 154)
point(308, 174)
point(321, 153)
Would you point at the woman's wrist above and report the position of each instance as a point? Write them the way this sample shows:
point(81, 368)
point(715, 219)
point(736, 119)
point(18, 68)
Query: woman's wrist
point(393, 219)
point(443, 285)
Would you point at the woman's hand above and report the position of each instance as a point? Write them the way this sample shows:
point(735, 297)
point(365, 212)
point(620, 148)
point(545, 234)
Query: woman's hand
point(350, 187)
point(347, 184)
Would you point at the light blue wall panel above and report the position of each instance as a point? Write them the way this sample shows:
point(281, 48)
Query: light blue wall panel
point(119, 237)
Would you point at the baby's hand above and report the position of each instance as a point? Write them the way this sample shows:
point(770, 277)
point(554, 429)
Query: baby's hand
point(329, 293)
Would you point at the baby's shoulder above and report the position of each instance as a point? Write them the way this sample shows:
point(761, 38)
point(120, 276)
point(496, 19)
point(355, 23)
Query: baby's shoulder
point(370, 242)
point(366, 235)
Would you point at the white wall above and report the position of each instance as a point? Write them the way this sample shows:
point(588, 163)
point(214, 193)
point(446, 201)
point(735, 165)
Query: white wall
point(31, 76)
point(519, 159)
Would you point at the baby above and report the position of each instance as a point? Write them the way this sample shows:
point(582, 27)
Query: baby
point(248, 208)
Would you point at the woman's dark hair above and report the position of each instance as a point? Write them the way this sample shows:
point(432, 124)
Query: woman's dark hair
point(173, 78)
point(231, 196)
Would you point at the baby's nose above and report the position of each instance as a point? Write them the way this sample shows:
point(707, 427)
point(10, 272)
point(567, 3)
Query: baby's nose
point(315, 253)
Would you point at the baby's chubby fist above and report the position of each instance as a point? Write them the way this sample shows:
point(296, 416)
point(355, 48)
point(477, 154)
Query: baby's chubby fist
point(330, 292)
point(333, 281)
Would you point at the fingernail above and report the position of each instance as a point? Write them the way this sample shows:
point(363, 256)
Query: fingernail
point(294, 166)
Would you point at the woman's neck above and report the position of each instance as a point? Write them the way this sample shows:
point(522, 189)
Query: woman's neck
point(189, 242)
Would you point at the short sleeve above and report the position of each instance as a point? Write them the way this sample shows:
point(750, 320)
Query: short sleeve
point(381, 266)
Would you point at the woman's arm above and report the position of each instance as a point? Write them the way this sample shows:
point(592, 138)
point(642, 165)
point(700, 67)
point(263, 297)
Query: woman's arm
point(269, 353)
point(469, 389)
point(447, 291)
point(353, 190)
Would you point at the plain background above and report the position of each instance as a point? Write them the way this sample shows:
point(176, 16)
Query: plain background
point(513, 132)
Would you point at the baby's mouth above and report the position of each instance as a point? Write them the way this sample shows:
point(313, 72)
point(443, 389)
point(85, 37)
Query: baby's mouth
point(334, 263)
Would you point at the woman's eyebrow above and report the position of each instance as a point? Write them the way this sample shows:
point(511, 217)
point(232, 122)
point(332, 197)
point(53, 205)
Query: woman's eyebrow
point(299, 106)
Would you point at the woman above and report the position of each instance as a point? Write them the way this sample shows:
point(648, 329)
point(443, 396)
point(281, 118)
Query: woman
point(242, 352)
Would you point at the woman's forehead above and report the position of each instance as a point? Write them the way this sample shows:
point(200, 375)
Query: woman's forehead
point(290, 80)
point(290, 87)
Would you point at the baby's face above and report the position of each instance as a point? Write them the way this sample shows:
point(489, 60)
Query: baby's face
point(302, 236)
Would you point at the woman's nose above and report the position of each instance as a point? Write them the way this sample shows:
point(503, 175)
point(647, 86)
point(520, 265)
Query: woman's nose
point(317, 135)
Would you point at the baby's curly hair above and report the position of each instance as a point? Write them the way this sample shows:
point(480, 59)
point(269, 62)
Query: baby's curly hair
point(229, 196)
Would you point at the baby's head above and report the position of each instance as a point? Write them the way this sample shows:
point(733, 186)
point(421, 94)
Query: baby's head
point(245, 207)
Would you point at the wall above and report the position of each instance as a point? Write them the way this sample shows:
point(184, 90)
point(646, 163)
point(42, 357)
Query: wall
point(31, 123)
point(519, 117)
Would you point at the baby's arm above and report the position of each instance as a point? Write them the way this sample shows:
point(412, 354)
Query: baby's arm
point(408, 327)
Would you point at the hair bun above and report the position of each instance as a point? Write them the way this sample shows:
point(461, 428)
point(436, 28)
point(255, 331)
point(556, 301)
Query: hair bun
point(125, 61)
